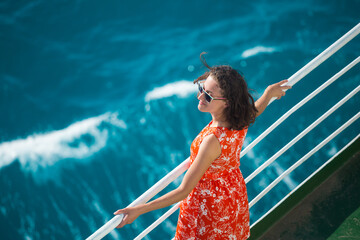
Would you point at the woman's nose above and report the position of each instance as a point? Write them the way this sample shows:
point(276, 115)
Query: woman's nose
point(199, 95)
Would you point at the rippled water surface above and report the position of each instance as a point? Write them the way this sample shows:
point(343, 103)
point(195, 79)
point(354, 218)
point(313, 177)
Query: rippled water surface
point(97, 101)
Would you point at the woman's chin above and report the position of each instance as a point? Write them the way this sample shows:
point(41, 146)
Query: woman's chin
point(201, 107)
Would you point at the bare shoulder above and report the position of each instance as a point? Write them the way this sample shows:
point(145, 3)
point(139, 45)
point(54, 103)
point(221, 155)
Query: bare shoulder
point(211, 145)
point(211, 139)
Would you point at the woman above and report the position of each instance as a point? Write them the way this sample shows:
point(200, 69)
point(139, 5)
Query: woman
point(215, 204)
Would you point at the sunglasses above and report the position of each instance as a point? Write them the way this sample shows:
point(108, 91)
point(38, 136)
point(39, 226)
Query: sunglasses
point(208, 98)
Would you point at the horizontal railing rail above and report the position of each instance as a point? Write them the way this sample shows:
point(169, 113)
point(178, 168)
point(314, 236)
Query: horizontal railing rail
point(160, 185)
point(302, 134)
point(303, 159)
point(305, 181)
point(333, 48)
point(298, 105)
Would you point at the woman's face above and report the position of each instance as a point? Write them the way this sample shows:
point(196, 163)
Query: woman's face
point(215, 106)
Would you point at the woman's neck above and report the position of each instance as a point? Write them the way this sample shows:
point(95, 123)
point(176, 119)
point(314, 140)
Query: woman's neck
point(218, 121)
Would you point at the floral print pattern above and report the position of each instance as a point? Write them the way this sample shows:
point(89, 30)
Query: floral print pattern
point(217, 208)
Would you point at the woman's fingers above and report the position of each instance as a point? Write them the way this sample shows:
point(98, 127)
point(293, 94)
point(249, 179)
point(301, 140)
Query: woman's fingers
point(285, 87)
point(117, 212)
point(123, 222)
point(120, 211)
point(277, 90)
point(282, 82)
point(130, 214)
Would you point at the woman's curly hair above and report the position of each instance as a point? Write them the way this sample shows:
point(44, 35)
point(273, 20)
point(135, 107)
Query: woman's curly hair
point(240, 112)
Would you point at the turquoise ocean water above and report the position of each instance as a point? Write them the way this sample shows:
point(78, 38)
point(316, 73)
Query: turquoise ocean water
point(97, 104)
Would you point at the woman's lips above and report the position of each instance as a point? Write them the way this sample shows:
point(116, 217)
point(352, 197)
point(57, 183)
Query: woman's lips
point(202, 103)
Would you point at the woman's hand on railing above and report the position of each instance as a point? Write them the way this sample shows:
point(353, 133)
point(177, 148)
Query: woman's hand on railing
point(130, 214)
point(277, 90)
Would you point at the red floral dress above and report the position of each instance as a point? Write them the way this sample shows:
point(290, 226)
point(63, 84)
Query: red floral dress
point(217, 208)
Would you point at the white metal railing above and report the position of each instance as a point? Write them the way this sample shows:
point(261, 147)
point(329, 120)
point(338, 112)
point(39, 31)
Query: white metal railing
point(116, 220)
point(303, 159)
point(307, 179)
point(298, 105)
point(302, 134)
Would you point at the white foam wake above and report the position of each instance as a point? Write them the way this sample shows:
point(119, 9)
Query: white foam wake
point(180, 88)
point(257, 50)
point(46, 149)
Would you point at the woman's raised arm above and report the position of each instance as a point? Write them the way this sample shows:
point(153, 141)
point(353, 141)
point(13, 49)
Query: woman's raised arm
point(274, 90)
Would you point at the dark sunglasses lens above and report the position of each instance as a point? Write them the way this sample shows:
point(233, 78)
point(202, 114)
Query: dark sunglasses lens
point(207, 97)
